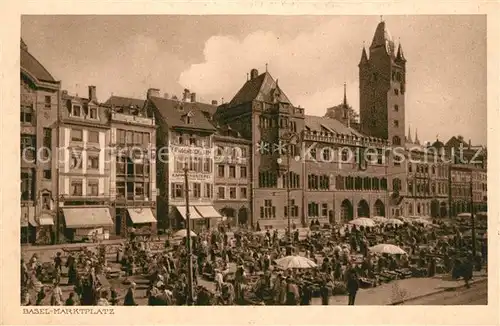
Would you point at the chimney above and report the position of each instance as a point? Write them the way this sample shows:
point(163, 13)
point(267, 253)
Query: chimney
point(193, 97)
point(92, 93)
point(153, 92)
point(214, 102)
point(185, 95)
point(470, 144)
point(64, 92)
point(254, 73)
point(165, 95)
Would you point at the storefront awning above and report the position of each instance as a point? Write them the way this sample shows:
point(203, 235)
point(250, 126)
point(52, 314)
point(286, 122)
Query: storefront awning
point(46, 219)
point(80, 218)
point(141, 215)
point(208, 212)
point(28, 216)
point(193, 214)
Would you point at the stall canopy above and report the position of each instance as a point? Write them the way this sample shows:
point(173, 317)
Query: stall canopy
point(193, 214)
point(81, 218)
point(141, 215)
point(208, 212)
point(28, 216)
point(46, 219)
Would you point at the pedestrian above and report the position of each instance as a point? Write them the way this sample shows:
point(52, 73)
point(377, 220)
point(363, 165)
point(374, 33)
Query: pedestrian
point(325, 294)
point(58, 261)
point(40, 296)
point(352, 285)
point(103, 300)
point(130, 296)
point(70, 301)
point(56, 297)
point(292, 293)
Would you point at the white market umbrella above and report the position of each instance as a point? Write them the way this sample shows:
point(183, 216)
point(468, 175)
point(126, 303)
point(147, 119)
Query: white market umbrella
point(464, 215)
point(295, 262)
point(394, 221)
point(422, 221)
point(363, 221)
point(182, 234)
point(379, 219)
point(387, 249)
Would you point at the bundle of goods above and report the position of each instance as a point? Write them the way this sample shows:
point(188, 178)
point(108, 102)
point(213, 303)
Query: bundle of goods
point(418, 271)
point(404, 273)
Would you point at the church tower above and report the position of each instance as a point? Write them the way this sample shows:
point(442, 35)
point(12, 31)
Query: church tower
point(382, 83)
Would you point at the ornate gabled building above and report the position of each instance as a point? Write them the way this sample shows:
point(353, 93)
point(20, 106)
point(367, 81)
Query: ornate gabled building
point(184, 139)
point(261, 112)
point(39, 105)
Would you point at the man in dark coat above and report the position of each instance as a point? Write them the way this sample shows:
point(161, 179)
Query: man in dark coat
point(130, 296)
point(352, 285)
point(292, 293)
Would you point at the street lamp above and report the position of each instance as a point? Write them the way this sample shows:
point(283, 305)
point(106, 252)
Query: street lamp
point(188, 237)
point(288, 137)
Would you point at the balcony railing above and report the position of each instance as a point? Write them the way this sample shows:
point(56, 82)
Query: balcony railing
point(128, 118)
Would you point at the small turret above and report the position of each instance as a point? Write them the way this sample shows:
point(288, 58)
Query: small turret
point(400, 55)
point(364, 57)
point(409, 135)
point(416, 137)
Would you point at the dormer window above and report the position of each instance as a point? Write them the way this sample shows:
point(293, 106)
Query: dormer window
point(93, 113)
point(76, 110)
point(188, 118)
point(192, 140)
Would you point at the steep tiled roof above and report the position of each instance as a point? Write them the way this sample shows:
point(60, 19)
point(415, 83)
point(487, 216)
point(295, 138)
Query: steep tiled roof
point(260, 88)
point(315, 123)
point(34, 67)
point(119, 101)
point(172, 115)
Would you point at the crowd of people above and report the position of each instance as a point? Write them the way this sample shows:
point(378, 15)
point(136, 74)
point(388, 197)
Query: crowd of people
point(242, 266)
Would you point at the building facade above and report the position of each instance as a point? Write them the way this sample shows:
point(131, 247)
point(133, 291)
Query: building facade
point(133, 167)
point(39, 105)
point(184, 142)
point(84, 178)
point(232, 176)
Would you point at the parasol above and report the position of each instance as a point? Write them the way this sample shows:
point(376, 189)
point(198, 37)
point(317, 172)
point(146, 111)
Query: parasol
point(394, 221)
point(379, 219)
point(462, 215)
point(363, 221)
point(387, 249)
point(422, 221)
point(295, 262)
point(182, 234)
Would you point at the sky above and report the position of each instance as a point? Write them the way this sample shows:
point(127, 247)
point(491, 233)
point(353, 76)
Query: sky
point(312, 56)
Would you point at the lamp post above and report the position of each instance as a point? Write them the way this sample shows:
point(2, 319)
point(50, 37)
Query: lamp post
point(188, 238)
point(288, 137)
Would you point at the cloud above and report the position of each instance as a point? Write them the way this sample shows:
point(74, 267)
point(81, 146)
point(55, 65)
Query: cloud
point(311, 67)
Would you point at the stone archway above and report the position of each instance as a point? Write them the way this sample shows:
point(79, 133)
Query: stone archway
point(443, 210)
point(242, 215)
point(435, 211)
point(363, 209)
point(379, 208)
point(346, 211)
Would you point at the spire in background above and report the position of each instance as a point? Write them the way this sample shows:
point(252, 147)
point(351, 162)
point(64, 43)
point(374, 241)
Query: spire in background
point(400, 55)
point(345, 95)
point(266, 67)
point(409, 135)
point(416, 137)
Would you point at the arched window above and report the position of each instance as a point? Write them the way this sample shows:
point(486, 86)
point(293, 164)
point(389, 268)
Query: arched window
point(383, 184)
point(367, 184)
point(396, 140)
point(410, 187)
point(375, 184)
point(396, 185)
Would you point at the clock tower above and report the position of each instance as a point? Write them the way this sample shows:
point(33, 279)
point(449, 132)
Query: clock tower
point(382, 88)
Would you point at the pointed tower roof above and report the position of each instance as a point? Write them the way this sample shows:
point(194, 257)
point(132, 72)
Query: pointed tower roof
point(364, 56)
point(409, 135)
point(416, 137)
point(400, 56)
point(260, 88)
point(382, 37)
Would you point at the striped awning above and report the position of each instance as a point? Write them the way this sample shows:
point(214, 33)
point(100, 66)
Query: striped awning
point(28, 216)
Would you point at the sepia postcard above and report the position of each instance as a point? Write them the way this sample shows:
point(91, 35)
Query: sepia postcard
point(252, 157)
